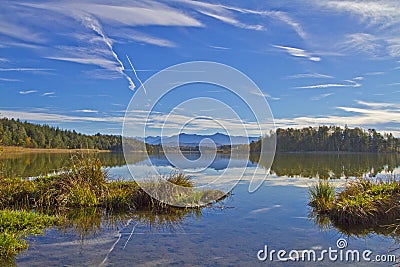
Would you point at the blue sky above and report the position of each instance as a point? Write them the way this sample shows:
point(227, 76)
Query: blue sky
point(317, 62)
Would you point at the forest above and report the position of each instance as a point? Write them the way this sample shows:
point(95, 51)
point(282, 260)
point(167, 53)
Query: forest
point(24, 134)
point(333, 139)
point(323, 138)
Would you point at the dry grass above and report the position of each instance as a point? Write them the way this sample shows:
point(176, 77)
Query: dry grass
point(85, 183)
point(81, 195)
point(362, 202)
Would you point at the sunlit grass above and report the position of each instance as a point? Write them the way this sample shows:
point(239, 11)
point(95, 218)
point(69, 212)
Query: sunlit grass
point(80, 196)
point(85, 183)
point(362, 202)
point(322, 196)
point(15, 225)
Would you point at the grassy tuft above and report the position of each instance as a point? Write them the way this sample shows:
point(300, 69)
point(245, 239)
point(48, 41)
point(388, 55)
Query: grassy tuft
point(80, 195)
point(362, 202)
point(180, 179)
point(366, 201)
point(322, 196)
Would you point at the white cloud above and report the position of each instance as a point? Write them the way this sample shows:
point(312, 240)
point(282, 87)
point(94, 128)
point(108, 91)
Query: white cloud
point(362, 42)
point(279, 15)
point(19, 32)
point(319, 97)
point(373, 115)
point(383, 19)
point(91, 60)
point(232, 21)
point(375, 73)
point(284, 17)
point(138, 13)
point(310, 75)
point(297, 52)
point(143, 38)
point(25, 69)
point(392, 84)
point(350, 83)
point(326, 85)
point(377, 105)
point(384, 13)
point(268, 96)
point(27, 92)
point(220, 12)
point(49, 94)
point(3, 60)
point(219, 47)
point(394, 47)
point(87, 111)
point(58, 118)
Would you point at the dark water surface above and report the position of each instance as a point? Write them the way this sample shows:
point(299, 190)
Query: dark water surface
point(228, 234)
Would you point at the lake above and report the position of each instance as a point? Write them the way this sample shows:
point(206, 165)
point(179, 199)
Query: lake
point(229, 233)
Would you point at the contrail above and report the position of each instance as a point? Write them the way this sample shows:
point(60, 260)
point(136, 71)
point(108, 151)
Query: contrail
point(134, 72)
point(93, 24)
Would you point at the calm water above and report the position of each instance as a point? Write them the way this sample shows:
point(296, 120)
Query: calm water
point(228, 234)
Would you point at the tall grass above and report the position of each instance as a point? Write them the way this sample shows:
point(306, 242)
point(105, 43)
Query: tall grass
point(363, 201)
point(367, 201)
point(81, 195)
point(85, 183)
point(322, 196)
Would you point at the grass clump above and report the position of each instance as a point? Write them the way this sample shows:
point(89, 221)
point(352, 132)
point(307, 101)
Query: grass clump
point(80, 195)
point(85, 183)
point(180, 179)
point(15, 225)
point(367, 201)
point(362, 202)
point(322, 196)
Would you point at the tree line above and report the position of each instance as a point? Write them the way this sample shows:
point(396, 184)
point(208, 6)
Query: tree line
point(323, 138)
point(17, 133)
point(331, 138)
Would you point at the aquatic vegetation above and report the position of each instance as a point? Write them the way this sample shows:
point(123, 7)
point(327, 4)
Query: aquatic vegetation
point(85, 183)
point(363, 202)
point(15, 225)
point(367, 201)
point(322, 196)
point(82, 195)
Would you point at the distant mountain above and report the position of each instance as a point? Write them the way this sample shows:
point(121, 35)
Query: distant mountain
point(195, 139)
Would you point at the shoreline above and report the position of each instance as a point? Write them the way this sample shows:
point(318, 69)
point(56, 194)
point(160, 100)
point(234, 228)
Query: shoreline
point(23, 150)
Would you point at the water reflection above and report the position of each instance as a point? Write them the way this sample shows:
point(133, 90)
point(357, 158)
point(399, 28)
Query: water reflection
point(274, 215)
point(331, 165)
point(391, 229)
point(289, 164)
point(35, 164)
point(87, 223)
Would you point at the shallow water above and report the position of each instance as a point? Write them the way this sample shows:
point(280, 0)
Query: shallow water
point(228, 234)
